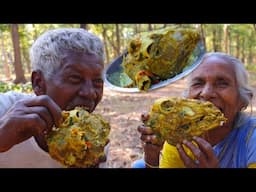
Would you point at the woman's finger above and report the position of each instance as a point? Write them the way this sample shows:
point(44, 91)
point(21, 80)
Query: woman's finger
point(145, 130)
point(144, 117)
point(188, 162)
point(204, 146)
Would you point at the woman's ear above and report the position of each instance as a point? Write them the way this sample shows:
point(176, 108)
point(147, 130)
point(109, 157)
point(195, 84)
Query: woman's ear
point(38, 82)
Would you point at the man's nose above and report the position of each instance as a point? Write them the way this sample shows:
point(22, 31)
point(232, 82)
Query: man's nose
point(87, 89)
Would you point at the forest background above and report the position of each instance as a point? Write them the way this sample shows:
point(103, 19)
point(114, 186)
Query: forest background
point(121, 109)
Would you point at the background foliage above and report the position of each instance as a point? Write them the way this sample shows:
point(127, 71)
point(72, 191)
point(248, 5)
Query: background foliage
point(15, 40)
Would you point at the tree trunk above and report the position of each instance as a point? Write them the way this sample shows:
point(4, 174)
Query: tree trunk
point(117, 39)
point(214, 43)
point(105, 43)
point(201, 27)
point(5, 62)
point(150, 27)
point(243, 50)
point(136, 28)
point(84, 26)
point(226, 38)
point(20, 78)
point(237, 47)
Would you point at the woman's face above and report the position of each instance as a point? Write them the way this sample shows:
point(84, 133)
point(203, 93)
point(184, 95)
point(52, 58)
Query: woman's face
point(214, 80)
point(78, 82)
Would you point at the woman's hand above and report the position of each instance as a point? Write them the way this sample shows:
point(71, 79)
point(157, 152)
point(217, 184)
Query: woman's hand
point(103, 160)
point(30, 117)
point(204, 154)
point(151, 145)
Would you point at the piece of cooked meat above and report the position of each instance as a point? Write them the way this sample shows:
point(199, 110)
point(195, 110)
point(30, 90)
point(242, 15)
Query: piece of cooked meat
point(158, 55)
point(80, 140)
point(174, 119)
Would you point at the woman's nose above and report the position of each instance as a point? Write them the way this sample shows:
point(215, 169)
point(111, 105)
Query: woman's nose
point(207, 92)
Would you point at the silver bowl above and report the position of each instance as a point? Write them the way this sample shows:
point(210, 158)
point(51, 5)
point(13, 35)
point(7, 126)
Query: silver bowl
point(112, 74)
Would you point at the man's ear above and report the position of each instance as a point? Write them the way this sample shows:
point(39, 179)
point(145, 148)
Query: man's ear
point(38, 82)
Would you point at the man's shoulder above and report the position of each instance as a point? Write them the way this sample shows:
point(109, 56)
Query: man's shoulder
point(16, 95)
point(7, 99)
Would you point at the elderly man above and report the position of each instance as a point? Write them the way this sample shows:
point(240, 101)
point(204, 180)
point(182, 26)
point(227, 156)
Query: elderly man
point(67, 72)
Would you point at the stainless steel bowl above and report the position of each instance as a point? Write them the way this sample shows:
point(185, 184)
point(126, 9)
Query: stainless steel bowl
point(114, 71)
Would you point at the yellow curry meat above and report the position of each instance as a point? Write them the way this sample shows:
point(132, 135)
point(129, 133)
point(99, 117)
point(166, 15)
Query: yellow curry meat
point(158, 55)
point(174, 119)
point(80, 140)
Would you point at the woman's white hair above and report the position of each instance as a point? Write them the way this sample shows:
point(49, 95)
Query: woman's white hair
point(46, 53)
point(241, 75)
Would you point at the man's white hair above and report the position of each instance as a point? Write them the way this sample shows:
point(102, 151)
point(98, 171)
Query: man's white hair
point(46, 53)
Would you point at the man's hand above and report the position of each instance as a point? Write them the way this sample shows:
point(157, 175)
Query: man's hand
point(30, 117)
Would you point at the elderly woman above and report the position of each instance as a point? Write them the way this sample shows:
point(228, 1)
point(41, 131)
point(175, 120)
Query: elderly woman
point(222, 80)
point(67, 72)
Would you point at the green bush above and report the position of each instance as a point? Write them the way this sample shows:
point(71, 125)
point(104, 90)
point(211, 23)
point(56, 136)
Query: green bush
point(25, 88)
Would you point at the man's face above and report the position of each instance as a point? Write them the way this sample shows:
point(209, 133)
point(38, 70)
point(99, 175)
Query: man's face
point(78, 82)
point(214, 80)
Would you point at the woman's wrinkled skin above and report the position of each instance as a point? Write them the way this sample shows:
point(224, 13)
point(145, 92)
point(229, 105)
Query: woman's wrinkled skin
point(215, 81)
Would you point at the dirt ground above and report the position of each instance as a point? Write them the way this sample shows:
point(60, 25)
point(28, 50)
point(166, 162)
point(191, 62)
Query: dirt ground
point(123, 111)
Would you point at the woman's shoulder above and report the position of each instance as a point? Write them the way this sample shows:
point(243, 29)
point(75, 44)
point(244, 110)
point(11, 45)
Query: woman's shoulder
point(251, 121)
point(249, 128)
point(245, 120)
